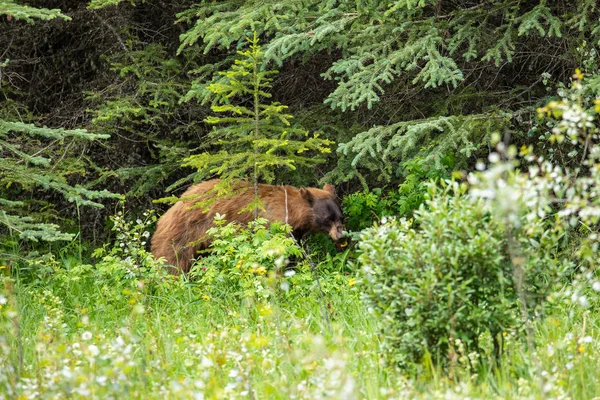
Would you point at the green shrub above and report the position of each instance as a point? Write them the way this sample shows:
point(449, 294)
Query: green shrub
point(450, 274)
point(363, 208)
point(124, 272)
point(242, 258)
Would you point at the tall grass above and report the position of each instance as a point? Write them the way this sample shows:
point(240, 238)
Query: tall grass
point(66, 334)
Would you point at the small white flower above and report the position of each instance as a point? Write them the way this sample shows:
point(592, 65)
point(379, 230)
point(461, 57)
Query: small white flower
point(66, 372)
point(119, 342)
point(94, 350)
point(585, 339)
point(3, 300)
point(279, 262)
point(569, 365)
point(206, 362)
point(595, 286)
point(234, 373)
point(198, 384)
point(583, 301)
point(86, 335)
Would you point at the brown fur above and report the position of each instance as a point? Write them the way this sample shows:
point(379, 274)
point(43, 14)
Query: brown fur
point(181, 224)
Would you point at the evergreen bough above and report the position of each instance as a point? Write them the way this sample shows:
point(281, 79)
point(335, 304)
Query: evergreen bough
point(378, 150)
point(18, 166)
point(26, 164)
point(14, 10)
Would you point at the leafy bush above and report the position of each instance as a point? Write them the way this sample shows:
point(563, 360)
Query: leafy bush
point(487, 260)
point(242, 258)
point(124, 273)
point(450, 274)
point(128, 263)
point(363, 208)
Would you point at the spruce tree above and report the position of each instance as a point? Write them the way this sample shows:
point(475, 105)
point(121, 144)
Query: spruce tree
point(26, 171)
point(31, 157)
point(252, 137)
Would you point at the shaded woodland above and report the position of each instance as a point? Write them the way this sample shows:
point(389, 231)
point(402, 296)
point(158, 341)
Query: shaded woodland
point(407, 90)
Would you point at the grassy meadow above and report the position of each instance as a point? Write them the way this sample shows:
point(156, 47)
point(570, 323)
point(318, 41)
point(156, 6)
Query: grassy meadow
point(74, 330)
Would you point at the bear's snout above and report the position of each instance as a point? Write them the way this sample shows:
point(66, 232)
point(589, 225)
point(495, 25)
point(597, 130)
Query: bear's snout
point(336, 232)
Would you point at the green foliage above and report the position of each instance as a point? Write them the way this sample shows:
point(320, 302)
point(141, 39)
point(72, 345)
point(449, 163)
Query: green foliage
point(521, 186)
point(361, 79)
point(377, 153)
point(124, 271)
point(128, 265)
point(566, 129)
point(361, 209)
point(98, 4)
point(24, 169)
point(131, 239)
point(453, 274)
point(381, 41)
point(28, 14)
point(243, 260)
point(116, 342)
point(437, 76)
point(145, 113)
point(540, 18)
point(257, 140)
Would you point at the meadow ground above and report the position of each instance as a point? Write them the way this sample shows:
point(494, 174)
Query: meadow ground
point(70, 331)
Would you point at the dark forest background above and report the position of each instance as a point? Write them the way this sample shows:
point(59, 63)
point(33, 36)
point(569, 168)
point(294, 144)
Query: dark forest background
point(408, 90)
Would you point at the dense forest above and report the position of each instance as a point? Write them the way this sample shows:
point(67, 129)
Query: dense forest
point(462, 141)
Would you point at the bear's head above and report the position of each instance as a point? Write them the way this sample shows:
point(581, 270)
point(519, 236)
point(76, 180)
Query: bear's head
point(327, 213)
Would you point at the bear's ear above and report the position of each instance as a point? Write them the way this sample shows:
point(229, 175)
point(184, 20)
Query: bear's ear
point(307, 195)
point(329, 188)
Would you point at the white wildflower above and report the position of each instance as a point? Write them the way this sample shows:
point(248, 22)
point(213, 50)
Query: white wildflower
point(585, 339)
point(569, 365)
point(94, 350)
point(206, 362)
point(583, 301)
point(101, 380)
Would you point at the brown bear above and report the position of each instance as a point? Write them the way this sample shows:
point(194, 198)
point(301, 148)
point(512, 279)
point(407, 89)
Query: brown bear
point(307, 210)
